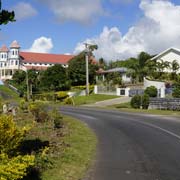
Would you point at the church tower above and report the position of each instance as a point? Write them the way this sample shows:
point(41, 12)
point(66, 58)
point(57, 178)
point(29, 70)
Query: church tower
point(4, 53)
point(14, 53)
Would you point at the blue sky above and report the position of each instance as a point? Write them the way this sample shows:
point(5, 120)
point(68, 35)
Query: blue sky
point(121, 28)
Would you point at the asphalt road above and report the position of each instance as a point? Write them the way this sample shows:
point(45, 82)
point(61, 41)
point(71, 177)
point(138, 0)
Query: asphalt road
point(132, 146)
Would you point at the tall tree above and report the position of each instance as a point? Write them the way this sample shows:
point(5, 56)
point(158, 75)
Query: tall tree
point(6, 16)
point(54, 79)
point(77, 70)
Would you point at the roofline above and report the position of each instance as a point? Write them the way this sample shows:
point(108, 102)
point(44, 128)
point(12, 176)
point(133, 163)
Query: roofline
point(40, 62)
point(166, 51)
point(46, 53)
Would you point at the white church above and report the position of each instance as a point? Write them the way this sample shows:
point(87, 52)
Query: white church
point(12, 59)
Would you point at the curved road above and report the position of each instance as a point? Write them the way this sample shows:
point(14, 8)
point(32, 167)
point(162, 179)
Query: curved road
point(132, 146)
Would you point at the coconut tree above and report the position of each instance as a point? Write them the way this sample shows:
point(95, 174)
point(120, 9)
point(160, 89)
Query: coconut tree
point(175, 67)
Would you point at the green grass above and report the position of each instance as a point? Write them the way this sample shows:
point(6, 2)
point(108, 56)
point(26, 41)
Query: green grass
point(72, 148)
point(127, 107)
point(79, 100)
point(77, 155)
point(7, 94)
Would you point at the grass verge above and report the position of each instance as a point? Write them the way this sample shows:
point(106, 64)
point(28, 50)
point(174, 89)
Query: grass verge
point(92, 98)
point(70, 152)
point(127, 107)
point(77, 155)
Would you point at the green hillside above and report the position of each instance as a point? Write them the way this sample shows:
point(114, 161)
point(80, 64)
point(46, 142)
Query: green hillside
point(7, 94)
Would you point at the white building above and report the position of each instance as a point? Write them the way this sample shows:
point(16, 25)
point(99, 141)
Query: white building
point(168, 55)
point(13, 59)
point(121, 70)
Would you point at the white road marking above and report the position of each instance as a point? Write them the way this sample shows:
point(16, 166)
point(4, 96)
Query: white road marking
point(162, 129)
point(154, 126)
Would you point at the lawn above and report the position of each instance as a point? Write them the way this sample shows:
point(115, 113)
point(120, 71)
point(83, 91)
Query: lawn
point(80, 100)
point(126, 107)
point(70, 151)
point(7, 94)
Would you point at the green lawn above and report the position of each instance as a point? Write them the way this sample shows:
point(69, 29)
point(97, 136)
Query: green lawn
point(7, 94)
point(126, 107)
point(79, 100)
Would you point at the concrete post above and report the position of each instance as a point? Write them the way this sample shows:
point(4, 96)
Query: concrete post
point(95, 89)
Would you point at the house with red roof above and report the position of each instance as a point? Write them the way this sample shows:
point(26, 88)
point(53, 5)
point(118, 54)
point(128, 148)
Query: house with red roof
point(13, 59)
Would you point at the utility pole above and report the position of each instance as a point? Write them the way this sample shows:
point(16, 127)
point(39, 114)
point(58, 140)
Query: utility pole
point(27, 84)
point(87, 68)
point(88, 51)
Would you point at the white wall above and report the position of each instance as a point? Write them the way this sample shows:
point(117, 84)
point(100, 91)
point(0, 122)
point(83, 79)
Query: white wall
point(158, 84)
point(170, 57)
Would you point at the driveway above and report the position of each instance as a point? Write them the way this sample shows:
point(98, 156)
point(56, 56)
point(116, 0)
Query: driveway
point(110, 102)
point(132, 146)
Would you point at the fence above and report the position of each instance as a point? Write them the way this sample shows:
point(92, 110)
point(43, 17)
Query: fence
point(111, 90)
point(165, 103)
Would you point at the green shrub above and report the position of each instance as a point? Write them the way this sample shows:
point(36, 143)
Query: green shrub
point(23, 105)
point(136, 102)
point(61, 95)
point(151, 91)
point(176, 91)
point(38, 110)
point(69, 101)
point(13, 165)
point(145, 101)
point(57, 118)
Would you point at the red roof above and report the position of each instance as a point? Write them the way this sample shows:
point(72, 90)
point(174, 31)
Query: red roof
point(31, 57)
point(4, 49)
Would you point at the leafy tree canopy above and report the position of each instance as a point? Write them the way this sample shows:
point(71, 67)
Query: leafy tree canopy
point(6, 16)
point(54, 78)
point(77, 70)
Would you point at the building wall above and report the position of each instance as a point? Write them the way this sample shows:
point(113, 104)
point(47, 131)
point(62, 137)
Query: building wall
point(170, 57)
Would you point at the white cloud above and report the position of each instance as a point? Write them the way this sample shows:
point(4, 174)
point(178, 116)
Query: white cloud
point(156, 31)
point(41, 45)
point(24, 10)
point(82, 11)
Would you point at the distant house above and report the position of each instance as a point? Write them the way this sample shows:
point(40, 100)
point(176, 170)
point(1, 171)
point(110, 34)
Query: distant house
point(13, 59)
point(121, 70)
point(168, 55)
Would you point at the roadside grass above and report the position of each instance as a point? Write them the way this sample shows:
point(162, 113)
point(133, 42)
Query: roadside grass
point(71, 151)
point(127, 108)
point(8, 94)
point(77, 155)
point(92, 98)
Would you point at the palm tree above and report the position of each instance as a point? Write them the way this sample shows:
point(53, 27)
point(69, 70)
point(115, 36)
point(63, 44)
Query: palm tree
point(175, 67)
point(161, 66)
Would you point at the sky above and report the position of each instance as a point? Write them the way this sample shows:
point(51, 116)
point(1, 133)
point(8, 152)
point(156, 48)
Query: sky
point(120, 28)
